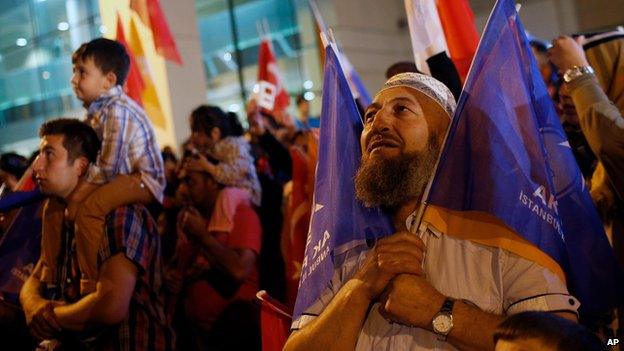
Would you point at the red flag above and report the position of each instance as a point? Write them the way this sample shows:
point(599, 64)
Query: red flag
point(274, 322)
point(134, 85)
point(273, 98)
point(460, 31)
point(156, 20)
point(296, 224)
point(27, 182)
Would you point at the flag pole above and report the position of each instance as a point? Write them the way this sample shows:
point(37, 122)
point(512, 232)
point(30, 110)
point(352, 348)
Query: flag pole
point(330, 35)
point(317, 15)
point(320, 28)
point(332, 41)
point(328, 39)
point(267, 29)
point(324, 40)
point(259, 30)
point(423, 200)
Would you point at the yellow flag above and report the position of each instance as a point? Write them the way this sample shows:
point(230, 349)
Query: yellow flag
point(151, 103)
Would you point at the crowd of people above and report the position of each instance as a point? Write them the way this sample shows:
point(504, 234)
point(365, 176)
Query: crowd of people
point(144, 248)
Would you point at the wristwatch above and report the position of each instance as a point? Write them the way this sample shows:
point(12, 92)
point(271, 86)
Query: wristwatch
point(576, 72)
point(442, 322)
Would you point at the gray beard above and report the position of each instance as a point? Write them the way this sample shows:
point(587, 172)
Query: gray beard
point(392, 182)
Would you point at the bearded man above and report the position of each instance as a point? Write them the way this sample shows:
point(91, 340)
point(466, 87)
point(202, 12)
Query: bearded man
point(428, 291)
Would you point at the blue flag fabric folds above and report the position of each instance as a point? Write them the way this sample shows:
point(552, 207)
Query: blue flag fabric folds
point(19, 199)
point(506, 155)
point(338, 219)
point(19, 250)
point(358, 89)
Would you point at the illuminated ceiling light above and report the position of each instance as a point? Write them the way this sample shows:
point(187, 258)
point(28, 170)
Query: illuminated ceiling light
point(45, 75)
point(21, 42)
point(62, 26)
point(309, 96)
point(103, 29)
point(234, 108)
point(227, 56)
point(308, 84)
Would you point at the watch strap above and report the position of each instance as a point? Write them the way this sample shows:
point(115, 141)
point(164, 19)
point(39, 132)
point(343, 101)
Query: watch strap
point(446, 309)
point(447, 306)
point(576, 72)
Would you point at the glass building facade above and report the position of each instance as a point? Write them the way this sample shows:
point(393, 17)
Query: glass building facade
point(37, 38)
point(229, 32)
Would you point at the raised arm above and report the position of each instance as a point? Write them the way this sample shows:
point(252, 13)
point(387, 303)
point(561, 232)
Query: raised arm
point(600, 119)
point(603, 126)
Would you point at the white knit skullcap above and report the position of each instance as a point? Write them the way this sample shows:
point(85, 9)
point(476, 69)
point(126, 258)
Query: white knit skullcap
point(429, 86)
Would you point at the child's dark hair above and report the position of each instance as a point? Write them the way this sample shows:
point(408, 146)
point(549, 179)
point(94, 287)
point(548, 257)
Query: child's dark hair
point(79, 139)
point(108, 55)
point(206, 117)
point(168, 155)
point(236, 128)
point(553, 330)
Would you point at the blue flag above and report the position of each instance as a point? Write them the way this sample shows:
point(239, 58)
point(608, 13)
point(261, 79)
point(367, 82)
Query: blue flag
point(363, 99)
point(506, 155)
point(338, 220)
point(358, 90)
point(19, 250)
point(19, 199)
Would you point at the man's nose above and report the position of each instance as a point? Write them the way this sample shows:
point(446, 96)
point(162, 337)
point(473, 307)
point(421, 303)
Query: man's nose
point(381, 121)
point(37, 164)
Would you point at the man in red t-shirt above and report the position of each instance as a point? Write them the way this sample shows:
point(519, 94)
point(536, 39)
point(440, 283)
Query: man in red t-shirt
point(228, 281)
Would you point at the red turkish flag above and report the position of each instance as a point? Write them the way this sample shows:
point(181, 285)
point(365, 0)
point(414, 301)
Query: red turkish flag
point(272, 97)
point(134, 85)
point(152, 15)
point(460, 32)
point(274, 322)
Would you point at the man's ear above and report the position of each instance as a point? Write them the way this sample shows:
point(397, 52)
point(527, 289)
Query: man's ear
point(81, 164)
point(215, 133)
point(111, 79)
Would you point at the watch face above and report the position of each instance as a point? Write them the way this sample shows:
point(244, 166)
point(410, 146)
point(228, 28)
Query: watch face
point(442, 323)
